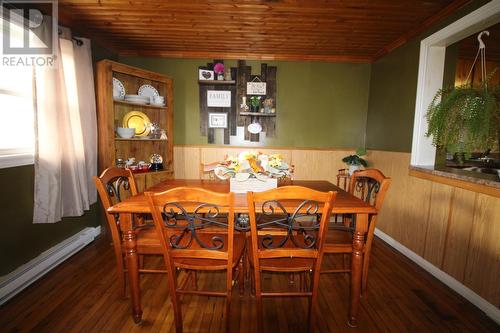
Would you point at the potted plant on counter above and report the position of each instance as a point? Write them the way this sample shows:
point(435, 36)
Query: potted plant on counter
point(355, 161)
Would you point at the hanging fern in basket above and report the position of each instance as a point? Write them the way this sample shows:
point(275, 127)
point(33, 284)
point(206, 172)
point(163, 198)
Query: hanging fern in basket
point(465, 119)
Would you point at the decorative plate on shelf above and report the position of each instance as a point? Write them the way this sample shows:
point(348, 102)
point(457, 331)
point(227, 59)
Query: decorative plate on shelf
point(255, 128)
point(118, 89)
point(138, 120)
point(149, 91)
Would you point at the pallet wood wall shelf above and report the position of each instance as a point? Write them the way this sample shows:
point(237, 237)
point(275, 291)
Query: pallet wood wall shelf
point(236, 114)
point(218, 85)
point(110, 115)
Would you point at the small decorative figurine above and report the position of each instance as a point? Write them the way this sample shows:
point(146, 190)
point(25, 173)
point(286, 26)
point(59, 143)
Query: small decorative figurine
point(155, 130)
point(156, 162)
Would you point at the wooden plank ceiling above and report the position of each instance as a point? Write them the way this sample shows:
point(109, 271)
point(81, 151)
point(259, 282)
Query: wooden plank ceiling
point(328, 30)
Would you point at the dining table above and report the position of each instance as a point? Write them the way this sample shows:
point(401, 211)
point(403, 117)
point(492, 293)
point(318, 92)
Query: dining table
point(345, 203)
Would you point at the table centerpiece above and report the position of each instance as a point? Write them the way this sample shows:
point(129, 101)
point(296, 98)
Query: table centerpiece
point(253, 171)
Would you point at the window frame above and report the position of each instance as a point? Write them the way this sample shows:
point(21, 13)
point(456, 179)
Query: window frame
point(15, 157)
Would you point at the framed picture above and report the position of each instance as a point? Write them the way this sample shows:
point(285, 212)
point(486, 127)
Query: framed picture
point(219, 98)
point(256, 88)
point(217, 120)
point(205, 74)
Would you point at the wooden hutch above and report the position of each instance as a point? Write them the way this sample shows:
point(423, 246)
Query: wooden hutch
point(110, 113)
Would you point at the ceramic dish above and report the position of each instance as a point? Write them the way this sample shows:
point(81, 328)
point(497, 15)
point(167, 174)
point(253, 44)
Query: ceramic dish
point(160, 105)
point(147, 90)
point(137, 99)
point(118, 89)
point(139, 121)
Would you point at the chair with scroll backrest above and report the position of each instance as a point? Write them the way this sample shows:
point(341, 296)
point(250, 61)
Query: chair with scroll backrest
point(371, 186)
point(114, 185)
point(287, 235)
point(197, 232)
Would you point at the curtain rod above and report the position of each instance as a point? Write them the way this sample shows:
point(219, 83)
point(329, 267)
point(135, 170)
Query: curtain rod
point(78, 41)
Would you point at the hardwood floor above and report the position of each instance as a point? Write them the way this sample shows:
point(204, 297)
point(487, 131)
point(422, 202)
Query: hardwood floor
point(80, 296)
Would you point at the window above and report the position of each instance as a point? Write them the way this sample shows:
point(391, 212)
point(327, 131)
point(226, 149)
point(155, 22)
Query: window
point(17, 141)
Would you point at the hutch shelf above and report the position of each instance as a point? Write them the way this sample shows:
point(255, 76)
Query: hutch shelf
point(111, 113)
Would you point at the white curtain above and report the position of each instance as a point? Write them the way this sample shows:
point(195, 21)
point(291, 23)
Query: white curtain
point(66, 134)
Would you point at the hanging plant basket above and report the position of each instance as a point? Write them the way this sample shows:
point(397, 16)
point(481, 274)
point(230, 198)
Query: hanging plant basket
point(466, 119)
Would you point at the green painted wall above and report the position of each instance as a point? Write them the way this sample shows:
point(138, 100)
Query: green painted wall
point(318, 104)
point(393, 89)
point(20, 239)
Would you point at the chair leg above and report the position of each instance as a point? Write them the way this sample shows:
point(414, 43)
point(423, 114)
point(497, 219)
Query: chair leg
point(248, 270)
point(174, 297)
point(343, 260)
point(120, 270)
point(241, 277)
point(176, 304)
point(258, 300)
point(252, 285)
point(229, 293)
point(313, 301)
point(228, 311)
point(141, 261)
point(195, 280)
point(366, 259)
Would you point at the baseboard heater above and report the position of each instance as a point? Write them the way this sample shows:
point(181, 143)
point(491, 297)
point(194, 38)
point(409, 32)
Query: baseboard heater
point(16, 281)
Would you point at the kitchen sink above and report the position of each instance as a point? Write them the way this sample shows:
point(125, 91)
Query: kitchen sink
point(490, 171)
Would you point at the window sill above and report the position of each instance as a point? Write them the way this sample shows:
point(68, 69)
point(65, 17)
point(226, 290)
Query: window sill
point(15, 160)
point(485, 184)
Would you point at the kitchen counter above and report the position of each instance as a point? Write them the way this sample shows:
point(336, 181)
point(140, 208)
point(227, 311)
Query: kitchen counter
point(477, 182)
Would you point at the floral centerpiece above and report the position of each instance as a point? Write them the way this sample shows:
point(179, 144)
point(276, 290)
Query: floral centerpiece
point(253, 165)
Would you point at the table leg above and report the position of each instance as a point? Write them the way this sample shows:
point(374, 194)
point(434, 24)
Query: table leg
point(358, 241)
point(129, 238)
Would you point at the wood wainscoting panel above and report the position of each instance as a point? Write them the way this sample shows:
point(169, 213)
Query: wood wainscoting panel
point(414, 214)
point(218, 154)
point(404, 215)
point(187, 162)
point(309, 163)
point(459, 232)
point(322, 164)
point(437, 223)
point(482, 273)
point(453, 228)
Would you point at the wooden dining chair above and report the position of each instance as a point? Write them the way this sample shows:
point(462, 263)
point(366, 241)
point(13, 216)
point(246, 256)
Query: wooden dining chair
point(371, 186)
point(207, 170)
point(197, 232)
point(287, 236)
point(114, 185)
